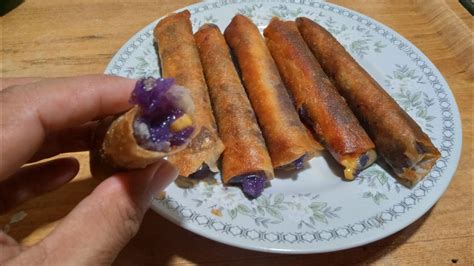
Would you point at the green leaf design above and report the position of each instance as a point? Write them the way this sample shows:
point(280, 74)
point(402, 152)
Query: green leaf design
point(308, 225)
point(367, 195)
point(377, 179)
point(265, 221)
point(274, 213)
point(421, 112)
point(244, 209)
point(359, 47)
point(320, 217)
point(378, 46)
point(408, 97)
point(382, 178)
point(398, 75)
point(416, 97)
point(249, 11)
point(232, 213)
point(198, 202)
point(263, 201)
point(318, 205)
point(278, 198)
point(376, 198)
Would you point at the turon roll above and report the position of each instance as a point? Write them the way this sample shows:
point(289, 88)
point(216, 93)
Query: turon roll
point(399, 140)
point(160, 123)
point(317, 100)
point(179, 59)
point(245, 160)
point(288, 141)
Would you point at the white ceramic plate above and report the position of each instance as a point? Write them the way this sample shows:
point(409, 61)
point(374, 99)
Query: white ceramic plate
point(314, 210)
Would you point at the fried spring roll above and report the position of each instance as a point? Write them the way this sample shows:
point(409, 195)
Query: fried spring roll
point(288, 141)
point(399, 140)
point(161, 123)
point(245, 160)
point(318, 100)
point(179, 59)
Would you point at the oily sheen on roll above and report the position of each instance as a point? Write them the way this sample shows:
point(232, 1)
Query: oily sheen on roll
point(245, 160)
point(398, 138)
point(317, 100)
point(160, 123)
point(288, 141)
point(179, 59)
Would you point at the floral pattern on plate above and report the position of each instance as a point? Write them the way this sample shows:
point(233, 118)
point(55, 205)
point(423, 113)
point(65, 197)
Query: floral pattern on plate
point(315, 205)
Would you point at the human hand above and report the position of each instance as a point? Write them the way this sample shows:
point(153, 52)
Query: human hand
point(42, 118)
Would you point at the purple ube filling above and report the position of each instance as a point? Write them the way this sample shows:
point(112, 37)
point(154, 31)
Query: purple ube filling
point(363, 160)
point(299, 163)
point(304, 117)
point(252, 184)
point(161, 103)
point(202, 173)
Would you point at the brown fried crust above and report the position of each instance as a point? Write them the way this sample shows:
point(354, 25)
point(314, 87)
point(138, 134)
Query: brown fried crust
point(115, 147)
point(245, 151)
point(286, 137)
point(334, 123)
point(179, 59)
point(399, 140)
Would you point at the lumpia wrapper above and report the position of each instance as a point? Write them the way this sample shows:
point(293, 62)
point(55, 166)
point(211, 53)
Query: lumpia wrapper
point(115, 147)
point(398, 138)
point(333, 121)
point(179, 59)
point(245, 151)
point(286, 137)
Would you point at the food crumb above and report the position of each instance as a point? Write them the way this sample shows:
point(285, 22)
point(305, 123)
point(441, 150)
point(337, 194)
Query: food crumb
point(160, 195)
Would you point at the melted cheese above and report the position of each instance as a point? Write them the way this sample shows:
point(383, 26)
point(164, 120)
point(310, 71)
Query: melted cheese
point(181, 123)
point(350, 165)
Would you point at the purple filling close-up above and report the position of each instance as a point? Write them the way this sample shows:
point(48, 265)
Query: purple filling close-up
point(202, 173)
point(161, 103)
point(252, 184)
point(363, 160)
point(304, 117)
point(299, 163)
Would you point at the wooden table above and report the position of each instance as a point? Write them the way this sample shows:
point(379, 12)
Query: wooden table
point(62, 38)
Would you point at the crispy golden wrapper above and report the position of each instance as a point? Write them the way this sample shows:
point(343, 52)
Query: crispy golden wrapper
point(245, 151)
point(398, 139)
point(115, 147)
point(318, 100)
point(286, 137)
point(179, 59)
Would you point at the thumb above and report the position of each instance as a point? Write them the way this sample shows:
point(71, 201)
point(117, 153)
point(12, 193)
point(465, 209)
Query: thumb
point(102, 224)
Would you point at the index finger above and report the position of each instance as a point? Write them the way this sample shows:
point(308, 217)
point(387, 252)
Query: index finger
point(7, 82)
point(60, 103)
point(31, 111)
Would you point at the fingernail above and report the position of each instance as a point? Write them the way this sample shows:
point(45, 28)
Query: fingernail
point(163, 176)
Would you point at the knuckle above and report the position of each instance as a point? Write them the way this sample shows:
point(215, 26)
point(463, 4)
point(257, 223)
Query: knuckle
point(131, 217)
point(121, 212)
point(41, 253)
